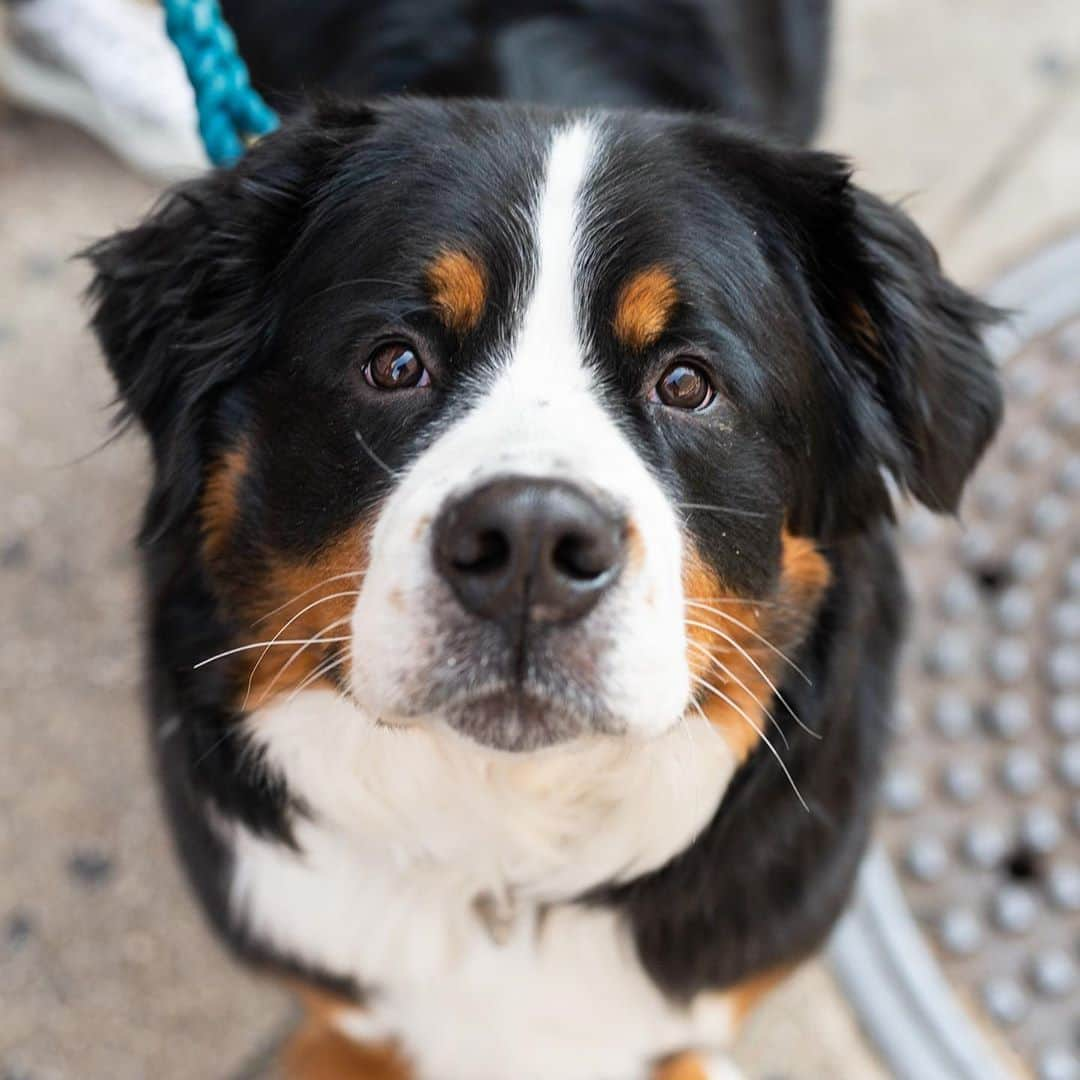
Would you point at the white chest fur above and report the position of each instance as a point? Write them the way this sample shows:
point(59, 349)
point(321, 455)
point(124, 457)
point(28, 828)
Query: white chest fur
point(410, 827)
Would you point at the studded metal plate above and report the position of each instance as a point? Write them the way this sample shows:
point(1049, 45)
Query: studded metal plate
point(982, 799)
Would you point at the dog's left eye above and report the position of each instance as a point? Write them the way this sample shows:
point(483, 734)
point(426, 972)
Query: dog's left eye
point(683, 386)
point(396, 367)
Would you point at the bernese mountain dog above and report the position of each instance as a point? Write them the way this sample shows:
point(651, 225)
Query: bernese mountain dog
point(522, 605)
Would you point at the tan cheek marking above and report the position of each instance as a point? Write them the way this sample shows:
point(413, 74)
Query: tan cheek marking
point(458, 287)
point(644, 306)
point(266, 594)
point(319, 1050)
point(806, 571)
point(714, 658)
point(220, 500)
point(728, 653)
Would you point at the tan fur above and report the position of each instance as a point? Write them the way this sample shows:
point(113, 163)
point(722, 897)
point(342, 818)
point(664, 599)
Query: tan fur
point(265, 592)
point(319, 1051)
point(681, 1067)
point(748, 995)
point(294, 586)
point(733, 658)
point(644, 306)
point(458, 287)
point(218, 508)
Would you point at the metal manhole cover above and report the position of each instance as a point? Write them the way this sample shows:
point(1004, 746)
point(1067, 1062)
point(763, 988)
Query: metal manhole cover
point(982, 798)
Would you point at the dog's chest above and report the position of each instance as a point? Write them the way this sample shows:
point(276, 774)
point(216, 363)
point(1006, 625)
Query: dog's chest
point(439, 876)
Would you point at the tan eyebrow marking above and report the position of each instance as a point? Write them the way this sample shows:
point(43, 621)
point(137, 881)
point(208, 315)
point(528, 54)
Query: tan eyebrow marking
point(644, 306)
point(458, 289)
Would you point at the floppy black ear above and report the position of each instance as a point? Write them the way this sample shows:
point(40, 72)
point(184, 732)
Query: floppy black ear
point(181, 303)
point(912, 387)
point(937, 380)
point(173, 312)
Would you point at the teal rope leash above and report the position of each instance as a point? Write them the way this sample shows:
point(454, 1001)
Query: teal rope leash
point(231, 112)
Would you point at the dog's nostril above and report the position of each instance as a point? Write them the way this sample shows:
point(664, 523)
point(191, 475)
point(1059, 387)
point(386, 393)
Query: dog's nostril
point(582, 558)
point(482, 552)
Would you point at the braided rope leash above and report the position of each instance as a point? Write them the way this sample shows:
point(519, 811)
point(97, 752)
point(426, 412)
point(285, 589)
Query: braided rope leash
point(231, 112)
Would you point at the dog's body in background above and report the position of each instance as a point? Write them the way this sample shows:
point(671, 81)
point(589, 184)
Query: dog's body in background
point(762, 64)
point(522, 605)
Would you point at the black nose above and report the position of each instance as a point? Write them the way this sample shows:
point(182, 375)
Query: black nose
point(520, 548)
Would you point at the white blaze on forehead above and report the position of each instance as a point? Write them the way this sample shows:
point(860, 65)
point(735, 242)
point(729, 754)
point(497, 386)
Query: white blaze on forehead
point(548, 351)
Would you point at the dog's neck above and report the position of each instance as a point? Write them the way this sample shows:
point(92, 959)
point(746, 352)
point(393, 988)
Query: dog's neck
point(543, 827)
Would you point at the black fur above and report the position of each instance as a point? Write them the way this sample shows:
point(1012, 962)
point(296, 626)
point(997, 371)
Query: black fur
point(762, 63)
point(237, 312)
point(764, 883)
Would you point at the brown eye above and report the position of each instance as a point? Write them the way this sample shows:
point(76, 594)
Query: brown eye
point(396, 367)
point(683, 386)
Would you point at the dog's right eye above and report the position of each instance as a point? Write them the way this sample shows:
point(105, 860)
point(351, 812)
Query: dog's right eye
point(684, 386)
point(396, 367)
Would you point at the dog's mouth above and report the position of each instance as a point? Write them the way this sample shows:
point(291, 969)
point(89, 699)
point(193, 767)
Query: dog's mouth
point(546, 689)
point(519, 720)
point(510, 716)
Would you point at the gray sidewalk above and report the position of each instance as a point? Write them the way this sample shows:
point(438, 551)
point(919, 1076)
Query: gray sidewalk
point(970, 110)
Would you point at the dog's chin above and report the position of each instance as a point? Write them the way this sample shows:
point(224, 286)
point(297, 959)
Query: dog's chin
point(517, 722)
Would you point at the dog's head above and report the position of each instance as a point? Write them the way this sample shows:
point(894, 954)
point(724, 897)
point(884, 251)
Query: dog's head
point(531, 424)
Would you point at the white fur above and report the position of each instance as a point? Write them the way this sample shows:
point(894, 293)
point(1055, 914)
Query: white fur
point(410, 826)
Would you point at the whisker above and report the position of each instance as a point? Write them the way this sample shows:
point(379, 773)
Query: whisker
point(753, 601)
point(750, 630)
point(349, 282)
point(212, 747)
point(758, 668)
point(323, 669)
point(701, 712)
point(317, 639)
point(721, 509)
point(404, 286)
point(256, 645)
point(726, 671)
point(764, 738)
point(710, 653)
point(710, 727)
point(374, 457)
point(301, 595)
point(302, 611)
point(686, 750)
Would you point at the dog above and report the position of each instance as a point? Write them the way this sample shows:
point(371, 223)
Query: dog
point(522, 608)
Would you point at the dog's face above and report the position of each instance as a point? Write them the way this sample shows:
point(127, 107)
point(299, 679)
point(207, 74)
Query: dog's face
point(529, 424)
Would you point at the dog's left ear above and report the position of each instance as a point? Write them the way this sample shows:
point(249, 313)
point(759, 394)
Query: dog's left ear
point(905, 364)
point(181, 301)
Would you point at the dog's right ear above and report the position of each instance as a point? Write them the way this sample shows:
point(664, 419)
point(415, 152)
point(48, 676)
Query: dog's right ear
point(180, 302)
